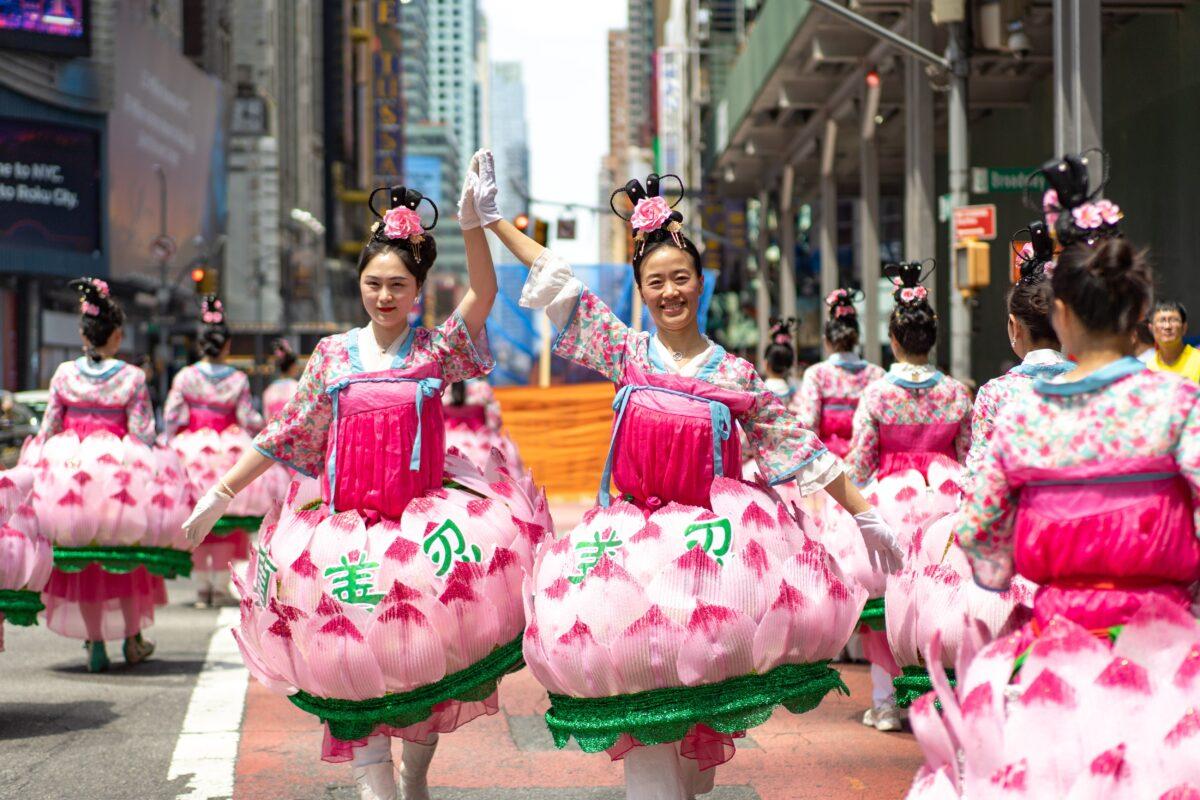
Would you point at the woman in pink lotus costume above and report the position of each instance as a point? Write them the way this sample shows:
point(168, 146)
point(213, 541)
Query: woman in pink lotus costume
point(209, 419)
point(107, 500)
point(684, 609)
point(1088, 489)
point(390, 607)
point(474, 427)
point(935, 593)
point(25, 556)
point(830, 390)
point(280, 391)
point(912, 429)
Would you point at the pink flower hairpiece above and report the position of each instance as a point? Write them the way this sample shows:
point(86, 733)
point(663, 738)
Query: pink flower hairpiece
point(1109, 211)
point(1026, 253)
point(836, 295)
point(782, 338)
point(212, 317)
point(1087, 217)
point(1050, 207)
point(101, 287)
point(650, 214)
point(844, 311)
point(89, 309)
point(913, 294)
point(402, 222)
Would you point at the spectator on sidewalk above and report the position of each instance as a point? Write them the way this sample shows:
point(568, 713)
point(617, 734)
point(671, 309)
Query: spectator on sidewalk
point(1168, 323)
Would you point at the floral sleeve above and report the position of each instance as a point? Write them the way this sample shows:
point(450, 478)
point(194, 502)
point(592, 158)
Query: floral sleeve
point(52, 421)
point(984, 530)
point(140, 414)
point(460, 356)
point(807, 403)
point(248, 419)
point(782, 447)
point(175, 412)
point(962, 443)
point(296, 436)
point(863, 459)
point(595, 338)
point(983, 420)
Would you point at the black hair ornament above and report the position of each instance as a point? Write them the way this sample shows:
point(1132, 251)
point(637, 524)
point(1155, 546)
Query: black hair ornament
point(651, 211)
point(1070, 206)
point(1036, 256)
point(402, 220)
point(907, 277)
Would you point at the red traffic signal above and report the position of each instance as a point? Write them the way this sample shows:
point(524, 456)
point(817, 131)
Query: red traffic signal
point(198, 275)
point(521, 222)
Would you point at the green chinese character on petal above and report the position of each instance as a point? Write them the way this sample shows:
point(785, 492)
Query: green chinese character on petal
point(590, 552)
point(447, 544)
point(354, 581)
point(263, 570)
point(714, 536)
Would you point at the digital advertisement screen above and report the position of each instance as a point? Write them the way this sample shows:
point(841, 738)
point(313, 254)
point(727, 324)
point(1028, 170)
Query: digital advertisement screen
point(47, 26)
point(49, 186)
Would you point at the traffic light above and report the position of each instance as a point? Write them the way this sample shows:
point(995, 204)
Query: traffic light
point(198, 279)
point(541, 232)
point(204, 280)
point(521, 222)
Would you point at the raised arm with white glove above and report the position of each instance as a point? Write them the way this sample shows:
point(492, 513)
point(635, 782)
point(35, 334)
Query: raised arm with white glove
point(468, 217)
point(883, 550)
point(486, 188)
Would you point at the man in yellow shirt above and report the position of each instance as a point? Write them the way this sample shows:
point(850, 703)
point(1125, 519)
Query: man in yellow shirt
point(1168, 323)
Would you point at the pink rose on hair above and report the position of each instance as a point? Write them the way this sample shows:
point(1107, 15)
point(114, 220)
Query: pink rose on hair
point(835, 296)
point(650, 214)
point(1050, 206)
point(402, 223)
point(101, 287)
point(913, 294)
point(1048, 268)
point(1087, 216)
point(1026, 253)
point(844, 311)
point(90, 309)
point(1110, 212)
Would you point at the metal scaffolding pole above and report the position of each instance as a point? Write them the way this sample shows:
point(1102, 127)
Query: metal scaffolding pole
point(920, 193)
point(1077, 76)
point(762, 297)
point(787, 244)
point(867, 221)
point(828, 232)
point(960, 311)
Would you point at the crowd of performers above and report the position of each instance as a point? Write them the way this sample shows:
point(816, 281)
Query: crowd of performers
point(1019, 568)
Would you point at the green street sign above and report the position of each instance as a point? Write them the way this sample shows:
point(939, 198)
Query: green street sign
point(990, 180)
point(945, 207)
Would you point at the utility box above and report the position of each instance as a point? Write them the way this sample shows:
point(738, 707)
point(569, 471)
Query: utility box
point(944, 11)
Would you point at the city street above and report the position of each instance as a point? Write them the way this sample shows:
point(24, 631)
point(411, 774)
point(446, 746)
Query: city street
point(174, 728)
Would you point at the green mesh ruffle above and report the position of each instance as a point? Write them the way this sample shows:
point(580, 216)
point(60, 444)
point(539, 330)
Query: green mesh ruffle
point(227, 525)
point(162, 561)
point(20, 606)
point(914, 682)
point(873, 614)
point(355, 719)
point(666, 715)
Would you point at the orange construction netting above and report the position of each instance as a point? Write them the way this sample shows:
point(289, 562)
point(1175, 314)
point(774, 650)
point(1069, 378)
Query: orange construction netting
point(562, 433)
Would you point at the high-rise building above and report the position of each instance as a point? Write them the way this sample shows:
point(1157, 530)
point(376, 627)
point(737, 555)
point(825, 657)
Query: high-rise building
point(641, 48)
point(509, 137)
point(453, 41)
point(612, 166)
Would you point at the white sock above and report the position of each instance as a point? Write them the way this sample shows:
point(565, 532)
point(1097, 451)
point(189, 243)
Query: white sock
point(373, 774)
point(653, 773)
point(414, 768)
point(378, 749)
point(883, 693)
point(696, 781)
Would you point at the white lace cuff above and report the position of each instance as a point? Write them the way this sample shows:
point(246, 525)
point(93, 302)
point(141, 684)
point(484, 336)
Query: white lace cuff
point(818, 473)
point(553, 286)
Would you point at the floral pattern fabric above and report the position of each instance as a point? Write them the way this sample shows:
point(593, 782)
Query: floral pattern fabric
point(112, 383)
point(783, 448)
point(941, 399)
point(216, 385)
point(296, 437)
point(1137, 414)
point(995, 394)
point(833, 377)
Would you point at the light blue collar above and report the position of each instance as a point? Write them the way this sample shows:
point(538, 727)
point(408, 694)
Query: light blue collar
point(356, 364)
point(99, 372)
point(1109, 373)
point(932, 377)
point(1042, 370)
point(705, 373)
point(215, 372)
point(850, 362)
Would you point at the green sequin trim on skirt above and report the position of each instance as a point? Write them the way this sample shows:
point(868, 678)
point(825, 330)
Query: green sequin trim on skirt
point(914, 682)
point(162, 561)
point(666, 715)
point(355, 719)
point(873, 614)
point(20, 606)
point(227, 525)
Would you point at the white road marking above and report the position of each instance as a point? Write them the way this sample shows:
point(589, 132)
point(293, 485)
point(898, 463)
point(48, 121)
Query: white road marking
point(206, 752)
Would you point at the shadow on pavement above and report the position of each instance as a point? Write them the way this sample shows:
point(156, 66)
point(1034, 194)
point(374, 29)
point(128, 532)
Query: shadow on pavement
point(30, 720)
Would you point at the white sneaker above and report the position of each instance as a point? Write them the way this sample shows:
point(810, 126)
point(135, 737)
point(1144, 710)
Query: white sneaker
point(888, 719)
point(375, 782)
point(868, 718)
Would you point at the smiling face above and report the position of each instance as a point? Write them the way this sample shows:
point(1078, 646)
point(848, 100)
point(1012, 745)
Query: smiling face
point(671, 289)
point(388, 290)
point(1168, 327)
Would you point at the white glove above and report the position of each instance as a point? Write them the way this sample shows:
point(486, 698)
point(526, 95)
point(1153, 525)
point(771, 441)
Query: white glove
point(883, 551)
point(485, 188)
point(468, 217)
point(209, 508)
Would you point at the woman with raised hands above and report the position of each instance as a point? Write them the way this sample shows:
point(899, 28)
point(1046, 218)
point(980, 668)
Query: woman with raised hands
point(690, 592)
point(389, 606)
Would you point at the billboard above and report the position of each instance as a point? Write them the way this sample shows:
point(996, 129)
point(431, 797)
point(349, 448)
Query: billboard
point(165, 148)
point(49, 186)
point(47, 26)
point(424, 173)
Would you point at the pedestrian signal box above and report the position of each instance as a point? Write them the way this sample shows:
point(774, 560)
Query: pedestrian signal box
point(972, 266)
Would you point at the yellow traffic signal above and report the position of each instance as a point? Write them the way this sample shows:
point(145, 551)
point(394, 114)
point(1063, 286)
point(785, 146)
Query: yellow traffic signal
point(541, 232)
